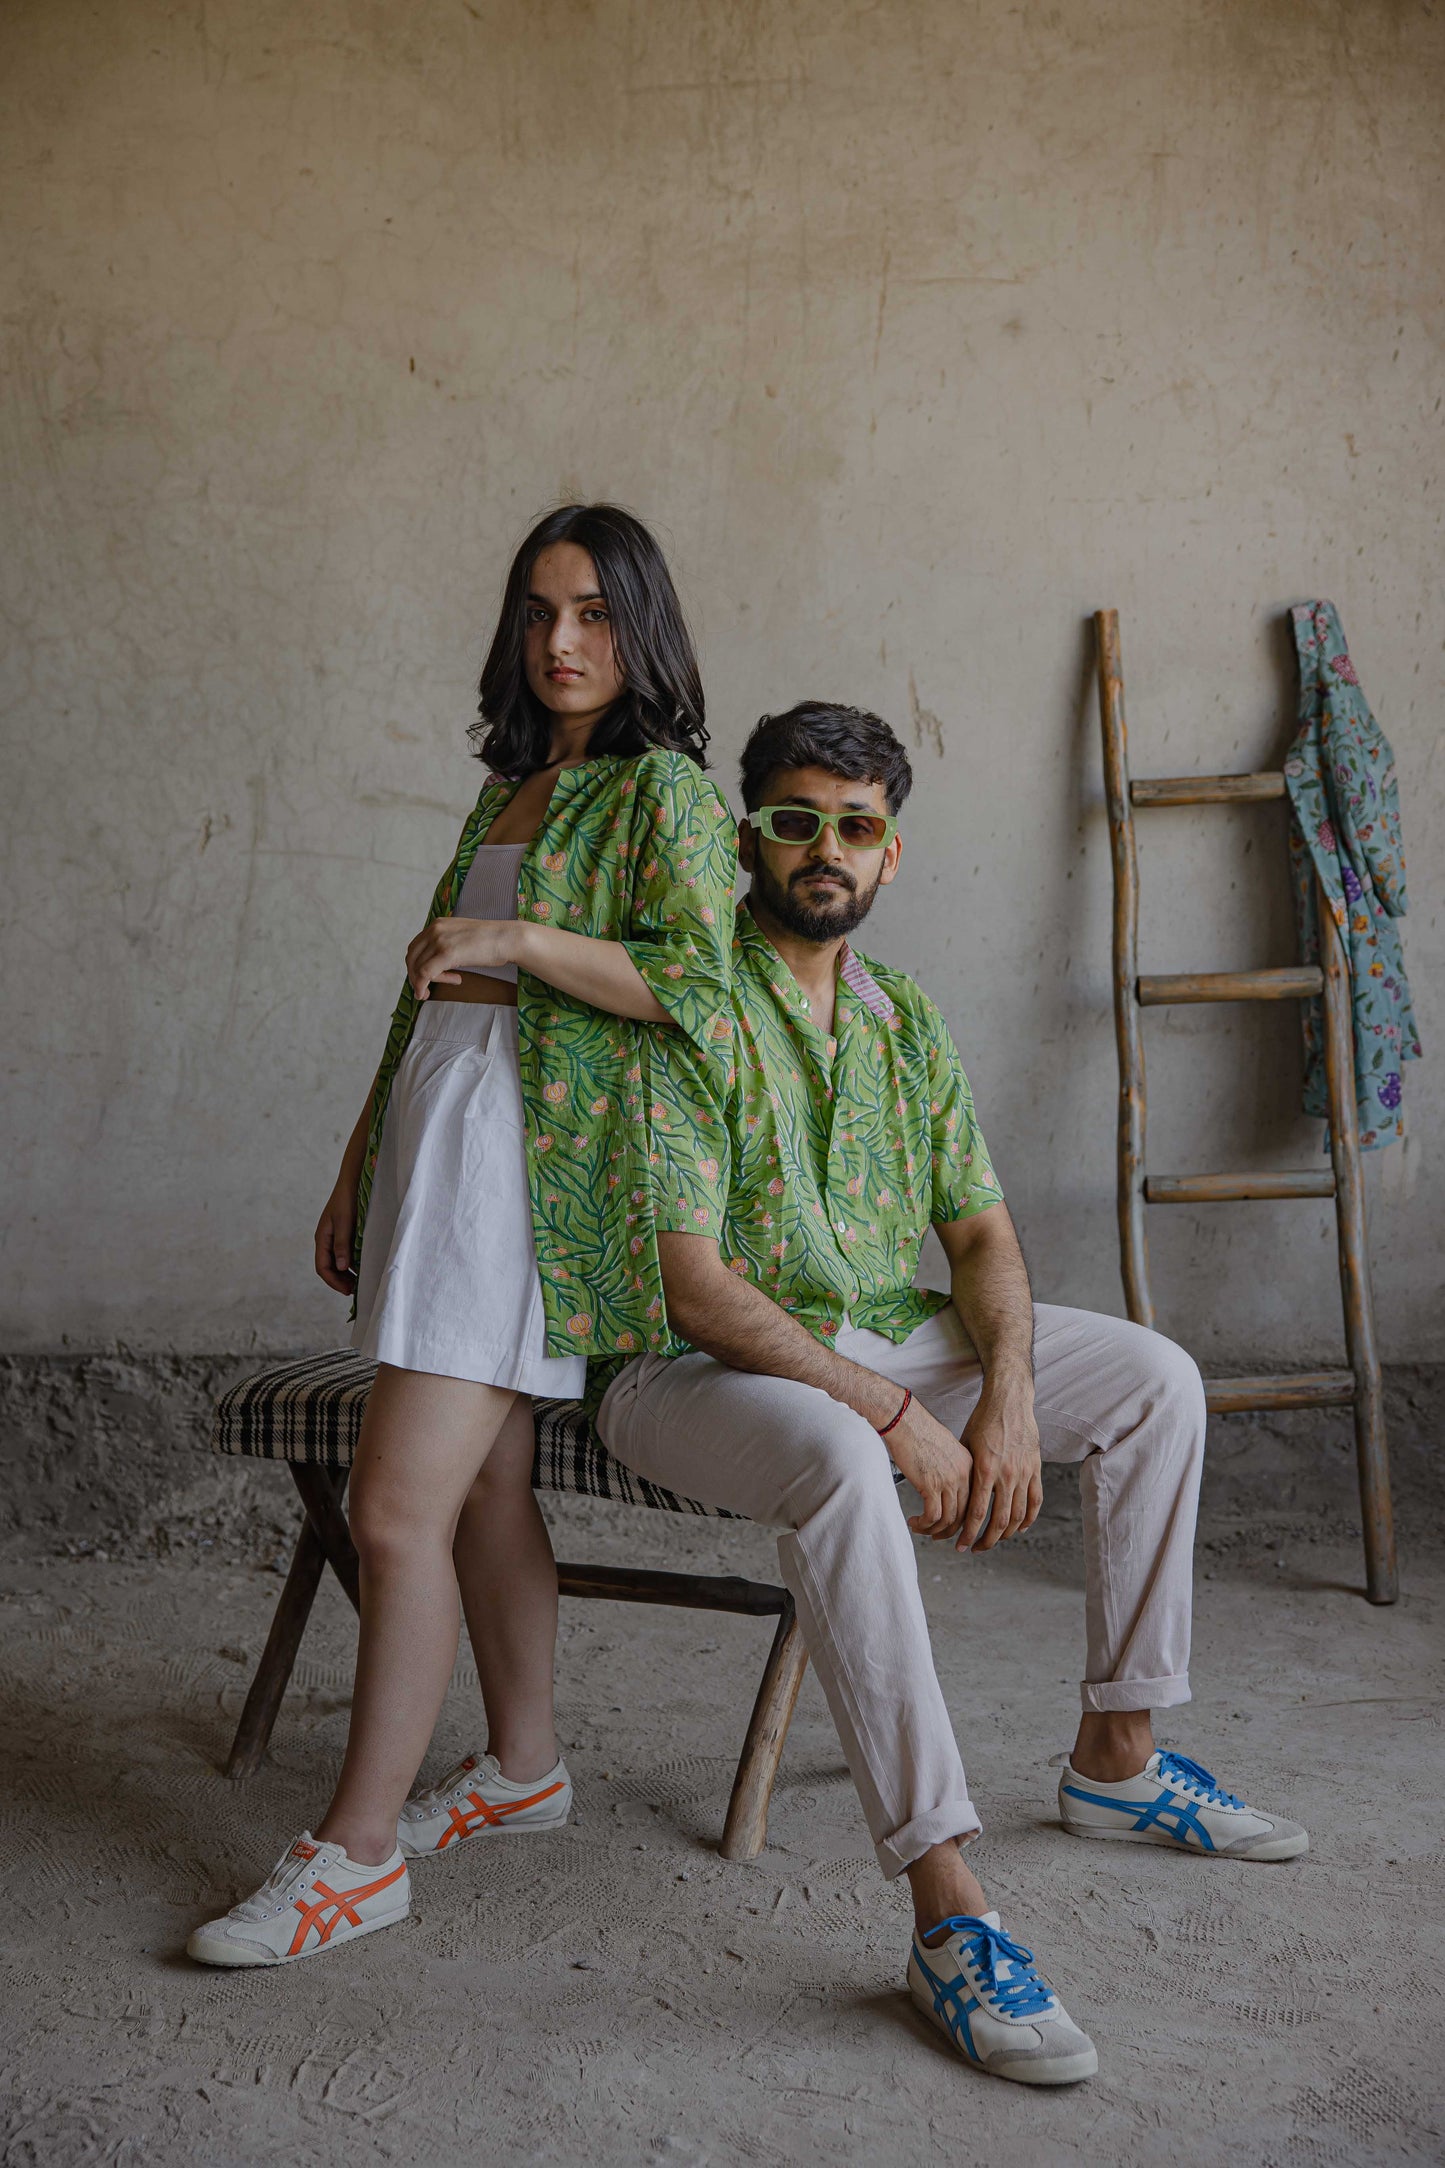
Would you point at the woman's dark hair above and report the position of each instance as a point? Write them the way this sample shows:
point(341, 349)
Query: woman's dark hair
point(661, 702)
point(816, 734)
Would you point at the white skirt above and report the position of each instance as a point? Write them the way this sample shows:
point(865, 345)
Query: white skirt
point(448, 1280)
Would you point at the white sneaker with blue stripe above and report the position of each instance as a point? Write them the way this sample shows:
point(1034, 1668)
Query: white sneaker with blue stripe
point(995, 2006)
point(1173, 1801)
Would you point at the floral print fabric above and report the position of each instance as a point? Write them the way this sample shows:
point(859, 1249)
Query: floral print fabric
point(819, 1160)
point(642, 851)
point(1340, 775)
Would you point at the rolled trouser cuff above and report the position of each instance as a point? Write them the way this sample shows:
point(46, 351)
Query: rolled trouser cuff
point(957, 1818)
point(1121, 1696)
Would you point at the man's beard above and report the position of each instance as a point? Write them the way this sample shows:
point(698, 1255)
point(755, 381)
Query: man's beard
point(814, 922)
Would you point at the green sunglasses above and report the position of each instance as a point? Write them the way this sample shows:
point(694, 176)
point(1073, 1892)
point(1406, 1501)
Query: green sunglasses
point(804, 824)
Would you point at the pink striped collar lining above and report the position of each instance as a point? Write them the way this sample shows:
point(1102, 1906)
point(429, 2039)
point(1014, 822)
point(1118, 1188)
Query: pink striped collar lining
point(859, 979)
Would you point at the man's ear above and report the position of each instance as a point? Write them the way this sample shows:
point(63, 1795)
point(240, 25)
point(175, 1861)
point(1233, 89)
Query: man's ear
point(747, 845)
point(890, 861)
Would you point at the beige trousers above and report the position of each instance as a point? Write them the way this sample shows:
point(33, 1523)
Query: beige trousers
point(1124, 1402)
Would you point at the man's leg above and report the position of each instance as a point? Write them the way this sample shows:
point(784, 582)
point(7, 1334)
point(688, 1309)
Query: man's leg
point(1128, 1404)
point(787, 1455)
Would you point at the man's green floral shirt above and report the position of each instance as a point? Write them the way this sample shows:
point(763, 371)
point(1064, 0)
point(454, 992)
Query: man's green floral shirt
point(642, 851)
point(818, 1160)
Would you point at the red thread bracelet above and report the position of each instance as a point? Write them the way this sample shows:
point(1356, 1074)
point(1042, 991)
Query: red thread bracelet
point(907, 1404)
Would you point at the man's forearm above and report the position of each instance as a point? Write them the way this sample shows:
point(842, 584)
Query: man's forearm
point(989, 1282)
point(741, 1326)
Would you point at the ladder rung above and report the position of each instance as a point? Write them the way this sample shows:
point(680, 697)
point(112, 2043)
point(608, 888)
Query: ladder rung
point(1207, 789)
point(1304, 1389)
point(1296, 984)
point(1228, 1188)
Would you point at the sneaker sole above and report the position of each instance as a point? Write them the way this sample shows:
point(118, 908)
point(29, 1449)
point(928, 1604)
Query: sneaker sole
point(1267, 1849)
point(1059, 2070)
point(235, 1957)
point(507, 1829)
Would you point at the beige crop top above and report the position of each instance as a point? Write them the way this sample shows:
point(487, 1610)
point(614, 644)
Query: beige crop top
point(490, 891)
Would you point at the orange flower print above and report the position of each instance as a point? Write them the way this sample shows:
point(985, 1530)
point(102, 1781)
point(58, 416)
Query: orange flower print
point(556, 1092)
point(708, 1169)
point(555, 861)
point(544, 1144)
point(855, 1185)
point(542, 910)
point(625, 1341)
point(580, 1325)
point(701, 1214)
point(600, 1104)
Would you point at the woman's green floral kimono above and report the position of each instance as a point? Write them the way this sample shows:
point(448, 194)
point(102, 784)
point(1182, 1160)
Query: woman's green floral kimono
point(642, 851)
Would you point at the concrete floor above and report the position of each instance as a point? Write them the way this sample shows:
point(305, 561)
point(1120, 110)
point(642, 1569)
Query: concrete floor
point(618, 1994)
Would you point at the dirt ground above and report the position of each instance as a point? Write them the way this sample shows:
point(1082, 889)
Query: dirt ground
point(618, 1993)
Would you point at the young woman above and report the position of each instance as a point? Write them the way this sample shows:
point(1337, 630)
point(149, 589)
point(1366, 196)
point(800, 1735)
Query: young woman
point(500, 1174)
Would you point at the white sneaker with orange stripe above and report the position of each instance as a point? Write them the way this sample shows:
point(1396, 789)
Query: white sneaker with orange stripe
point(476, 1800)
point(313, 1898)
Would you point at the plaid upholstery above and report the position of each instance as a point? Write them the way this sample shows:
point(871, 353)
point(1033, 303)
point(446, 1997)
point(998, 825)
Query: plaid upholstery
point(311, 1411)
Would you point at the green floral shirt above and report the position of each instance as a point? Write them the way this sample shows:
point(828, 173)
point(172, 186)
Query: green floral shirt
point(641, 851)
point(819, 1161)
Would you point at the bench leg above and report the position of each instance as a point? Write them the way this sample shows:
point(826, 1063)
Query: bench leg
point(746, 1828)
point(258, 1718)
point(324, 1536)
point(321, 1494)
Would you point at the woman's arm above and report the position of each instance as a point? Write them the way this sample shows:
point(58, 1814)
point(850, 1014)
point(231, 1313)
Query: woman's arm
point(336, 1228)
point(599, 972)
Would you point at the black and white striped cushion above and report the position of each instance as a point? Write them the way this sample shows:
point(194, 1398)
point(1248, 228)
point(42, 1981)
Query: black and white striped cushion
point(311, 1411)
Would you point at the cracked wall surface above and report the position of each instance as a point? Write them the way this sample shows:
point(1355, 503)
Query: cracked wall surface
point(919, 331)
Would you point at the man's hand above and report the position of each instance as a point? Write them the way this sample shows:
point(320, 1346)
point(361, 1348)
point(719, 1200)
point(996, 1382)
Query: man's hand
point(440, 950)
point(938, 1466)
point(1002, 1437)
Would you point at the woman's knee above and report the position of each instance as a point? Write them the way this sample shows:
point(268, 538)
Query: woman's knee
point(391, 1527)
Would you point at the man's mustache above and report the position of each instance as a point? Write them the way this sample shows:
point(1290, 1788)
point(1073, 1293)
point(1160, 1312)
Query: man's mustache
point(833, 873)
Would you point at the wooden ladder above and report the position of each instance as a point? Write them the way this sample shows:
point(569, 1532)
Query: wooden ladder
point(1359, 1385)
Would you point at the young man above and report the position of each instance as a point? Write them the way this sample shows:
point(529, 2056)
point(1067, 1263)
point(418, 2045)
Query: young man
point(796, 1174)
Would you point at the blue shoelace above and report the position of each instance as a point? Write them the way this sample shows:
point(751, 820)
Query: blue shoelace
point(1185, 1771)
point(1026, 1994)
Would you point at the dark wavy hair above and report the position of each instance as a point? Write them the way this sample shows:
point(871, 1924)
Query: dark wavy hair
point(817, 734)
point(661, 702)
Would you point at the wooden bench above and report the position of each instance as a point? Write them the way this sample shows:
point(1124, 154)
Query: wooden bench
point(308, 1414)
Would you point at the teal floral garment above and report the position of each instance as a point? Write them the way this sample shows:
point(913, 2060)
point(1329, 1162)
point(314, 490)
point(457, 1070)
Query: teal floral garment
point(641, 851)
point(1340, 775)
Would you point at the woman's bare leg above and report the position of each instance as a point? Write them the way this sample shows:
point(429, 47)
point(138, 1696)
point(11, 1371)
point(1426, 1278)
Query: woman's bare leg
point(422, 1441)
point(508, 1576)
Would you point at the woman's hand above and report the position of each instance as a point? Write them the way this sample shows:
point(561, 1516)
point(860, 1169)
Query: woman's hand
point(438, 954)
point(336, 1231)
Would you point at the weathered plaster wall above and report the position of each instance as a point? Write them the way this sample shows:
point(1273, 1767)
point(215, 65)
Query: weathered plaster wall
point(919, 330)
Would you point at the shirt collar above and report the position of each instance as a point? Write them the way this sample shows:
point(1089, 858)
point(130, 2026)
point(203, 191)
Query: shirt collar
point(852, 970)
